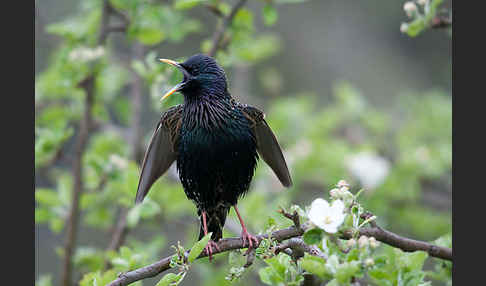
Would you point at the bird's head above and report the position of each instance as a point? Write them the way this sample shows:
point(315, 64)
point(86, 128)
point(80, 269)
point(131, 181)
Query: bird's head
point(203, 78)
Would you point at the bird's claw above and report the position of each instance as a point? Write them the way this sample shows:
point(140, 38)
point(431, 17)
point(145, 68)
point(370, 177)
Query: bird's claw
point(249, 240)
point(208, 249)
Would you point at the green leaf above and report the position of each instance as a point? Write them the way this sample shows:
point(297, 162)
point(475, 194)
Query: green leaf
point(187, 4)
point(415, 27)
point(411, 261)
point(236, 259)
point(133, 215)
point(150, 36)
point(289, 1)
point(313, 236)
point(198, 248)
point(268, 276)
point(347, 270)
point(47, 197)
point(270, 15)
point(315, 265)
point(44, 280)
point(147, 209)
point(379, 274)
point(171, 279)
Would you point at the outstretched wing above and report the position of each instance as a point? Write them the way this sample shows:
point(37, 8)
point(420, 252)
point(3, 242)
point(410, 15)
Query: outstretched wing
point(267, 145)
point(161, 151)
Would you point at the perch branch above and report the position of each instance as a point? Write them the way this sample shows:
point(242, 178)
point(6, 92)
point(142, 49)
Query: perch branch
point(294, 243)
point(224, 245)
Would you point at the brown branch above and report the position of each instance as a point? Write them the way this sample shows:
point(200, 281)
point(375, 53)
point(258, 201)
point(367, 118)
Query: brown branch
point(298, 247)
point(219, 33)
point(73, 217)
point(404, 243)
point(215, 9)
point(121, 229)
point(296, 244)
point(82, 140)
point(224, 245)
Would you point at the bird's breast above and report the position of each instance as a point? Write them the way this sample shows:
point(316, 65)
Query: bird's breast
point(216, 153)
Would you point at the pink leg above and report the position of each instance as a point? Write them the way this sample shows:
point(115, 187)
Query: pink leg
point(252, 240)
point(209, 247)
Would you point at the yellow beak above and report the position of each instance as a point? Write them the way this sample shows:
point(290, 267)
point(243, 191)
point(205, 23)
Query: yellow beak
point(170, 62)
point(174, 89)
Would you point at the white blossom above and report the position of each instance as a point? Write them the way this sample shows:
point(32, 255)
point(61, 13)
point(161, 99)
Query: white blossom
point(404, 27)
point(369, 262)
point(85, 54)
point(118, 161)
point(325, 216)
point(422, 2)
point(370, 169)
point(343, 184)
point(410, 8)
point(334, 193)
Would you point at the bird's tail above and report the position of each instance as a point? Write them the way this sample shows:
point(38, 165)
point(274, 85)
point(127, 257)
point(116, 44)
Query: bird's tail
point(215, 220)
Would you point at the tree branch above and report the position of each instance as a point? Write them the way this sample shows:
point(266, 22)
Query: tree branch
point(218, 34)
point(73, 217)
point(296, 244)
point(224, 245)
point(77, 169)
point(405, 244)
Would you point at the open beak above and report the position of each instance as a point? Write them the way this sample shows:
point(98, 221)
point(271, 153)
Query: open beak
point(175, 88)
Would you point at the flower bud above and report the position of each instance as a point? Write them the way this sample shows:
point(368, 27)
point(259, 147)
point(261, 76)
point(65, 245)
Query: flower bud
point(118, 161)
point(363, 241)
point(351, 243)
point(373, 242)
point(342, 183)
point(410, 8)
point(404, 27)
point(334, 193)
point(422, 2)
point(369, 262)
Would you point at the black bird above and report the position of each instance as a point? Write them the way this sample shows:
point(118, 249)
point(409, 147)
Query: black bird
point(216, 142)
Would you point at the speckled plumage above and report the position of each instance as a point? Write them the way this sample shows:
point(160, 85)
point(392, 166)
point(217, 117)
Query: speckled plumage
point(216, 142)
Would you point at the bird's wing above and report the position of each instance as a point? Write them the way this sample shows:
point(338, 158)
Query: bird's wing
point(161, 151)
point(267, 144)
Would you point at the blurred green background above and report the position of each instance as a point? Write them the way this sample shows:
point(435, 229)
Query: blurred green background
point(348, 96)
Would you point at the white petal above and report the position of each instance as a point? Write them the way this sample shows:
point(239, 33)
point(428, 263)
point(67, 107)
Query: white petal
point(337, 221)
point(320, 203)
point(337, 206)
point(318, 209)
point(330, 228)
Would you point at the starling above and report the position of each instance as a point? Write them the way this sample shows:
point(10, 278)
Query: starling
point(216, 142)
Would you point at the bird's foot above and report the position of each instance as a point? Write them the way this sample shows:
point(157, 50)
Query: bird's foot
point(249, 240)
point(208, 250)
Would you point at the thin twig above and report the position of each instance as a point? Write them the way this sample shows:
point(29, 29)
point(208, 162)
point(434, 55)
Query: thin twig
point(216, 11)
point(299, 247)
point(218, 34)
